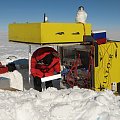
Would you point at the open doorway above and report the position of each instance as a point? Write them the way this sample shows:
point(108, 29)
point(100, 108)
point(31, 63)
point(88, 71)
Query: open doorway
point(77, 65)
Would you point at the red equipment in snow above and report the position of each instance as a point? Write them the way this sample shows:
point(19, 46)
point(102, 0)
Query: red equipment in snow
point(3, 69)
point(10, 67)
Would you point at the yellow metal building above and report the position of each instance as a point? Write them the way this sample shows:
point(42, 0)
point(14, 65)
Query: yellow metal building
point(106, 73)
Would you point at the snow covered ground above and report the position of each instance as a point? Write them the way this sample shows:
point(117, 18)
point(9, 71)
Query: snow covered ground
point(52, 104)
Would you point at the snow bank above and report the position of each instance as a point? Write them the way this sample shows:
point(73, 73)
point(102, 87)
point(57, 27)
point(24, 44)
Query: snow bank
point(53, 104)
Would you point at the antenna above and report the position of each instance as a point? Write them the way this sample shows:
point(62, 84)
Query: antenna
point(45, 18)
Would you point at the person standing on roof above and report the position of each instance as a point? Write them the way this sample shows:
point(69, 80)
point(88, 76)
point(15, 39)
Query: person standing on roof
point(44, 62)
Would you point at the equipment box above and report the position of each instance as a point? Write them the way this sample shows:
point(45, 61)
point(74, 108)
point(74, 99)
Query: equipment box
point(99, 36)
point(5, 84)
point(43, 33)
point(11, 81)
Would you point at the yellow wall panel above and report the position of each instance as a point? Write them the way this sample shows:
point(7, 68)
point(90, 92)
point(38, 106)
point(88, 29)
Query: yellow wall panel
point(48, 32)
point(108, 68)
point(24, 32)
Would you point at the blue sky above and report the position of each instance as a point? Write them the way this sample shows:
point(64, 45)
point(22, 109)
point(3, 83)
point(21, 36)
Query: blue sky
point(102, 14)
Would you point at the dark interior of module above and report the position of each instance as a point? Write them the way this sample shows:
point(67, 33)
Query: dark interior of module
point(77, 65)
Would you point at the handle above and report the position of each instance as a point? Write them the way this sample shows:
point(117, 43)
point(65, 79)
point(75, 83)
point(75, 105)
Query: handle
point(60, 33)
point(75, 33)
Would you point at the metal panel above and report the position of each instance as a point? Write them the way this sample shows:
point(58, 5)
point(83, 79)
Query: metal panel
point(108, 68)
point(29, 33)
point(45, 33)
